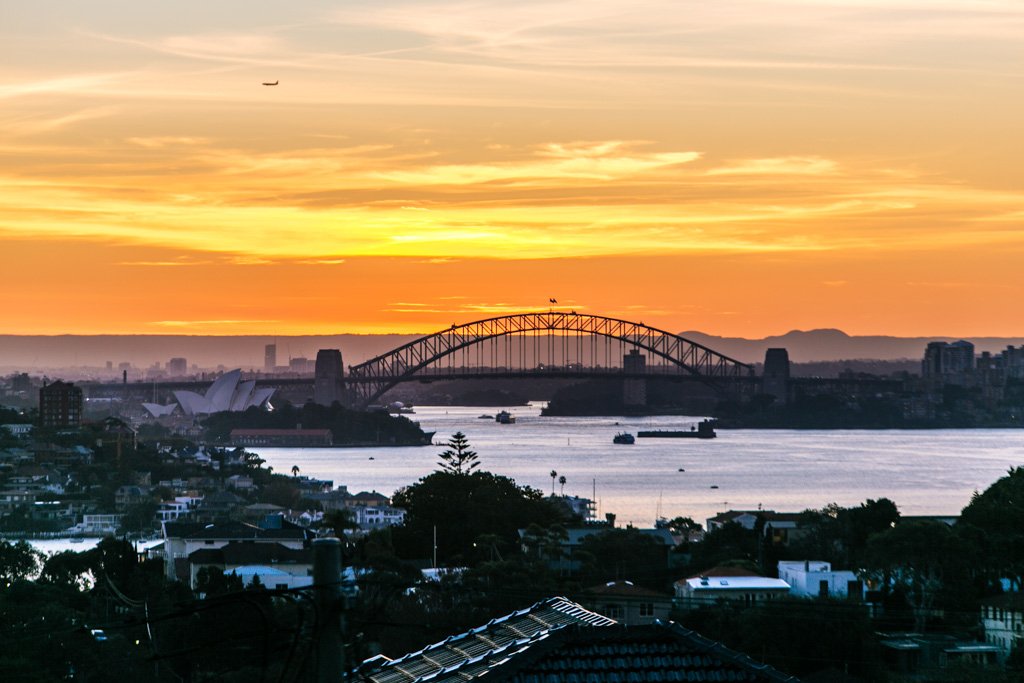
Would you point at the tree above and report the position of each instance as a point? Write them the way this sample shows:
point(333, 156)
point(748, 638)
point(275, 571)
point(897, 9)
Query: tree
point(18, 561)
point(915, 557)
point(339, 520)
point(684, 526)
point(295, 470)
point(998, 514)
point(462, 507)
point(458, 458)
point(553, 475)
point(561, 481)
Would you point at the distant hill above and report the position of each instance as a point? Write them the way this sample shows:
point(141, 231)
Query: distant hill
point(41, 353)
point(828, 345)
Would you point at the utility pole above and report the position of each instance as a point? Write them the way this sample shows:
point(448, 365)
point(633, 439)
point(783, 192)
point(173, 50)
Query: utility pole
point(329, 644)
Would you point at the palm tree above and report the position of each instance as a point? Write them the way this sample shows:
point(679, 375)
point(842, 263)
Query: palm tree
point(561, 480)
point(295, 470)
point(553, 475)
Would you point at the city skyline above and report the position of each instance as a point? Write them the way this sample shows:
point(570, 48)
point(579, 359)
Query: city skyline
point(740, 168)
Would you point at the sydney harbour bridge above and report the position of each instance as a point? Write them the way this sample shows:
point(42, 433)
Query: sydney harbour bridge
point(550, 344)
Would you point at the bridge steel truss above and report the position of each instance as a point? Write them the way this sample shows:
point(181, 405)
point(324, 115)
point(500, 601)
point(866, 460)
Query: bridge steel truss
point(368, 381)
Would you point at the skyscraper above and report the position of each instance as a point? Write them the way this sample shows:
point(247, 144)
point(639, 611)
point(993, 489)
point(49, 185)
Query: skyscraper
point(329, 378)
point(269, 357)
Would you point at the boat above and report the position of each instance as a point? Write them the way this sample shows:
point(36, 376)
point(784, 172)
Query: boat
point(485, 417)
point(705, 429)
point(505, 418)
point(624, 437)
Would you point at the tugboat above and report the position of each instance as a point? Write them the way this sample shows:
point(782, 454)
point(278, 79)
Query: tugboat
point(624, 437)
point(505, 418)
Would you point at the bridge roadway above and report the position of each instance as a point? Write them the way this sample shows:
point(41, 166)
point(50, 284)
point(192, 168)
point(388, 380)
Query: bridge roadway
point(426, 375)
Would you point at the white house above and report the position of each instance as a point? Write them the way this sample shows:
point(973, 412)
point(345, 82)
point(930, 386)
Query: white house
point(1002, 618)
point(707, 590)
point(816, 579)
point(368, 517)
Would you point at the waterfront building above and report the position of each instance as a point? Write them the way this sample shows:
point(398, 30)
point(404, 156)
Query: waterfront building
point(227, 393)
point(60, 405)
point(949, 363)
point(282, 437)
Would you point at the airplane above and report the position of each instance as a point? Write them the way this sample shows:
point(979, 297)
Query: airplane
point(274, 83)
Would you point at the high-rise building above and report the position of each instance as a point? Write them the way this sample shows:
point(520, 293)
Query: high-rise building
point(950, 362)
point(329, 378)
point(269, 357)
point(60, 405)
point(177, 367)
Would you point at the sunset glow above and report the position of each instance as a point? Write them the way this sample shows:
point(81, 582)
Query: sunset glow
point(741, 168)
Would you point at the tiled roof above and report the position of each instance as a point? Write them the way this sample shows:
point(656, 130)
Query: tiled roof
point(637, 654)
point(251, 553)
point(558, 641)
point(469, 654)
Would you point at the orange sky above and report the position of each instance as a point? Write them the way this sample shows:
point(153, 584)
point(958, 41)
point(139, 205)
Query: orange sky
point(740, 168)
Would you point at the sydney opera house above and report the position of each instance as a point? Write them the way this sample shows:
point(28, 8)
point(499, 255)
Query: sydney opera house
point(227, 393)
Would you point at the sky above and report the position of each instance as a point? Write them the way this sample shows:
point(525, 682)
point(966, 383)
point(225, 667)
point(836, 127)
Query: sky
point(742, 168)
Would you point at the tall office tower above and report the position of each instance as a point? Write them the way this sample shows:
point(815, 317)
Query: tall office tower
point(329, 378)
point(177, 367)
point(269, 357)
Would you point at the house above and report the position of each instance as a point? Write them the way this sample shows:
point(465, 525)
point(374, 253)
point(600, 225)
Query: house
point(626, 603)
point(817, 579)
point(781, 527)
point(378, 517)
point(126, 496)
point(98, 525)
point(277, 565)
point(240, 482)
point(330, 500)
point(1002, 619)
point(219, 504)
point(559, 640)
point(181, 539)
point(367, 499)
point(728, 583)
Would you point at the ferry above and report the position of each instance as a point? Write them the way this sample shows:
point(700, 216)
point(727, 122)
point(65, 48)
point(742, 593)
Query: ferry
point(624, 437)
point(505, 418)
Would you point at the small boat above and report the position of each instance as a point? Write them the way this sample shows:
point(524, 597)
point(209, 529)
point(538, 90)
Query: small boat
point(680, 470)
point(485, 417)
point(714, 486)
point(77, 540)
point(505, 418)
point(624, 437)
point(372, 458)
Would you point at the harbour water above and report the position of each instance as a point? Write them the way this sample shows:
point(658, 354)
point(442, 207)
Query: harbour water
point(926, 472)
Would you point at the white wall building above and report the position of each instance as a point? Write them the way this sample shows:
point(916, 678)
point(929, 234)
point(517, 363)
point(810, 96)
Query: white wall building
point(707, 590)
point(816, 579)
point(376, 517)
point(1002, 618)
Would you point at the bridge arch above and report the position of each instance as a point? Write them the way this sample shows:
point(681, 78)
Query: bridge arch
point(369, 380)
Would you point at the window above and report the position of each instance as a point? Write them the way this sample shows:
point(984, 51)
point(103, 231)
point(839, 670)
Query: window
point(613, 611)
point(647, 609)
